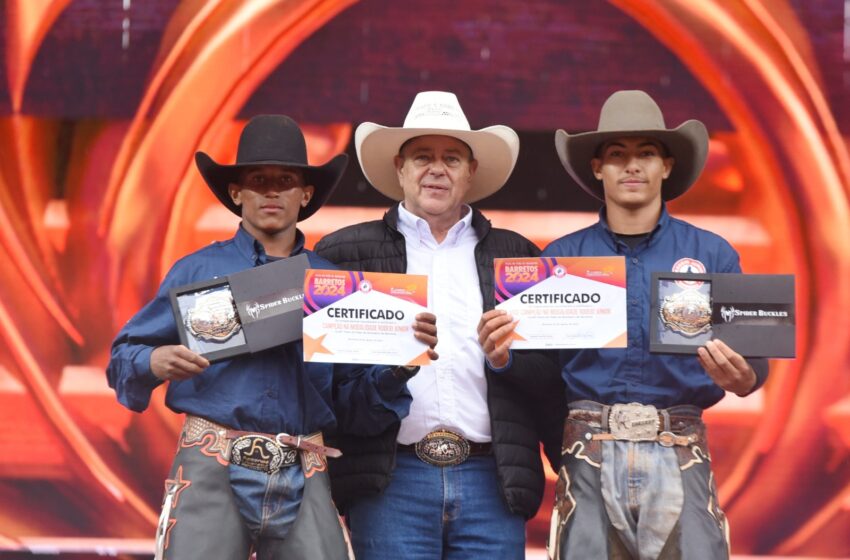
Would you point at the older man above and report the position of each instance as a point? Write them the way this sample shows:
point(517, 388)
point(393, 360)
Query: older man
point(270, 406)
point(623, 494)
point(460, 475)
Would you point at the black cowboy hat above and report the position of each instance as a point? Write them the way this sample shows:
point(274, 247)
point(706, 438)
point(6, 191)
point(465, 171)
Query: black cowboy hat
point(272, 140)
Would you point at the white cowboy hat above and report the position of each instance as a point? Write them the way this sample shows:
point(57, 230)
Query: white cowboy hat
point(437, 112)
point(634, 113)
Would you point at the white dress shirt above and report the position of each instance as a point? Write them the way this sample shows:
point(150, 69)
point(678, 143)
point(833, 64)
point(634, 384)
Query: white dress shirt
point(450, 393)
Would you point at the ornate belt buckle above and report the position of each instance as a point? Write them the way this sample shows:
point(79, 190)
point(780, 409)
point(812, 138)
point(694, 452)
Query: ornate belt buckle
point(633, 422)
point(261, 453)
point(443, 448)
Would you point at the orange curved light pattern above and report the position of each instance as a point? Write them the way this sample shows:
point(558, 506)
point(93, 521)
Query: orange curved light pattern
point(135, 203)
point(810, 162)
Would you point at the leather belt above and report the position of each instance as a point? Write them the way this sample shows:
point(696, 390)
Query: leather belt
point(637, 422)
point(286, 440)
point(256, 450)
point(444, 448)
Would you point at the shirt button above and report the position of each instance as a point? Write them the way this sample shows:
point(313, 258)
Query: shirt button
point(270, 393)
point(634, 260)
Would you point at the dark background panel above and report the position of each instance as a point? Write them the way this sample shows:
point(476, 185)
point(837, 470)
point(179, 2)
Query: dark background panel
point(88, 67)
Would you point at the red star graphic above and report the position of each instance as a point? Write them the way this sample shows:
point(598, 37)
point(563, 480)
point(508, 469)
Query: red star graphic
point(171, 523)
point(313, 345)
point(177, 484)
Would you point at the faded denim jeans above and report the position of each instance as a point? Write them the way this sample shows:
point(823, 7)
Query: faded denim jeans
point(622, 500)
point(213, 509)
point(642, 490)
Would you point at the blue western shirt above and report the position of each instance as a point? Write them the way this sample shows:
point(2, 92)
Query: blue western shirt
point(270, 391)
point(633, 374)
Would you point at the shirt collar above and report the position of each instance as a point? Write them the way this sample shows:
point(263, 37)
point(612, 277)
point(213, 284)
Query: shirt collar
point(414, 228)
point(254, 251)
point(663, 220)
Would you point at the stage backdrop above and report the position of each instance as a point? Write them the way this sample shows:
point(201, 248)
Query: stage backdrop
point(104, 102)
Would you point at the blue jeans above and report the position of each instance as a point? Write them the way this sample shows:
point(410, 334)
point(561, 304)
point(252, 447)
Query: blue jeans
point(635, 500)
point(269, 503)
point(643, 494)
point(213, 509)
point(432, 513)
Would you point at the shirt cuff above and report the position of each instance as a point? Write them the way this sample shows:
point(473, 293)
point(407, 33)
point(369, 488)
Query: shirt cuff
point(501, 369)
point(142, 368)
point(390, 385)
point(760, 368)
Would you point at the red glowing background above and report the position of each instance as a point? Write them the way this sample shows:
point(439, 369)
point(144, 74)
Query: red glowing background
point(102, 105)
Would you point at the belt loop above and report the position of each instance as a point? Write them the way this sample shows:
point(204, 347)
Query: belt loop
point(606, 411)
point(666, 426)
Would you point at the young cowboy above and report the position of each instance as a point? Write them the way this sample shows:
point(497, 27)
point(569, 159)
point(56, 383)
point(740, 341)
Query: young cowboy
point(278, 504)
point(654, 498)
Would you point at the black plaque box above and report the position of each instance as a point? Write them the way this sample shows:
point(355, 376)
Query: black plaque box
point(753, 313)
point(244, 312)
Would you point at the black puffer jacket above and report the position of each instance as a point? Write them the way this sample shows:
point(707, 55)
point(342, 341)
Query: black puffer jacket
point(526, 402)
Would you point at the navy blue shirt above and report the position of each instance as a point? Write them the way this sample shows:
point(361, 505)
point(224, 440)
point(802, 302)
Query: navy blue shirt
point(270, 391)
point(633, 374)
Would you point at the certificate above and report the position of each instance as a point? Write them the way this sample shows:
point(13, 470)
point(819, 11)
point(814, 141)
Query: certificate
point(564, 302)
point(363, 317)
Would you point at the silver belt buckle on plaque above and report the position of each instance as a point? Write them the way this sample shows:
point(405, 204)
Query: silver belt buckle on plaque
point(261, 453)
point(633, 422)
point(442, 448)
point(214, 317)
point(687, 312)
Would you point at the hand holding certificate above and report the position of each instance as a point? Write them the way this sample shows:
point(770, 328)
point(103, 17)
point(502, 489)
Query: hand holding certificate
point(564, 302)
point(363, 317)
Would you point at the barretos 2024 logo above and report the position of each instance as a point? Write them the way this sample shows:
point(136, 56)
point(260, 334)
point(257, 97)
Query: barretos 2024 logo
point(691, 266)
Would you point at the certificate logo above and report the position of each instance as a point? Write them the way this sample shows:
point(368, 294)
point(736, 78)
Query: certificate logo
point(559, 271)
point(365, 286)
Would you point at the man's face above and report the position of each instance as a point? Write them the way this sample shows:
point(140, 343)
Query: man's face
point(631, 170)
point(270, 197)
point(435, 173)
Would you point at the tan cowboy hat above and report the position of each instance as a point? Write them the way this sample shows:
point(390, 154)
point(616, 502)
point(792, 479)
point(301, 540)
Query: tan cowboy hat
point(437, 112)
point(272, 140)
point(634, 113)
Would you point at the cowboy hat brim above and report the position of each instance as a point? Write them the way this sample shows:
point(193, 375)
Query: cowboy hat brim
point(324, 179)
point(687, 145)
point(496, 148)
